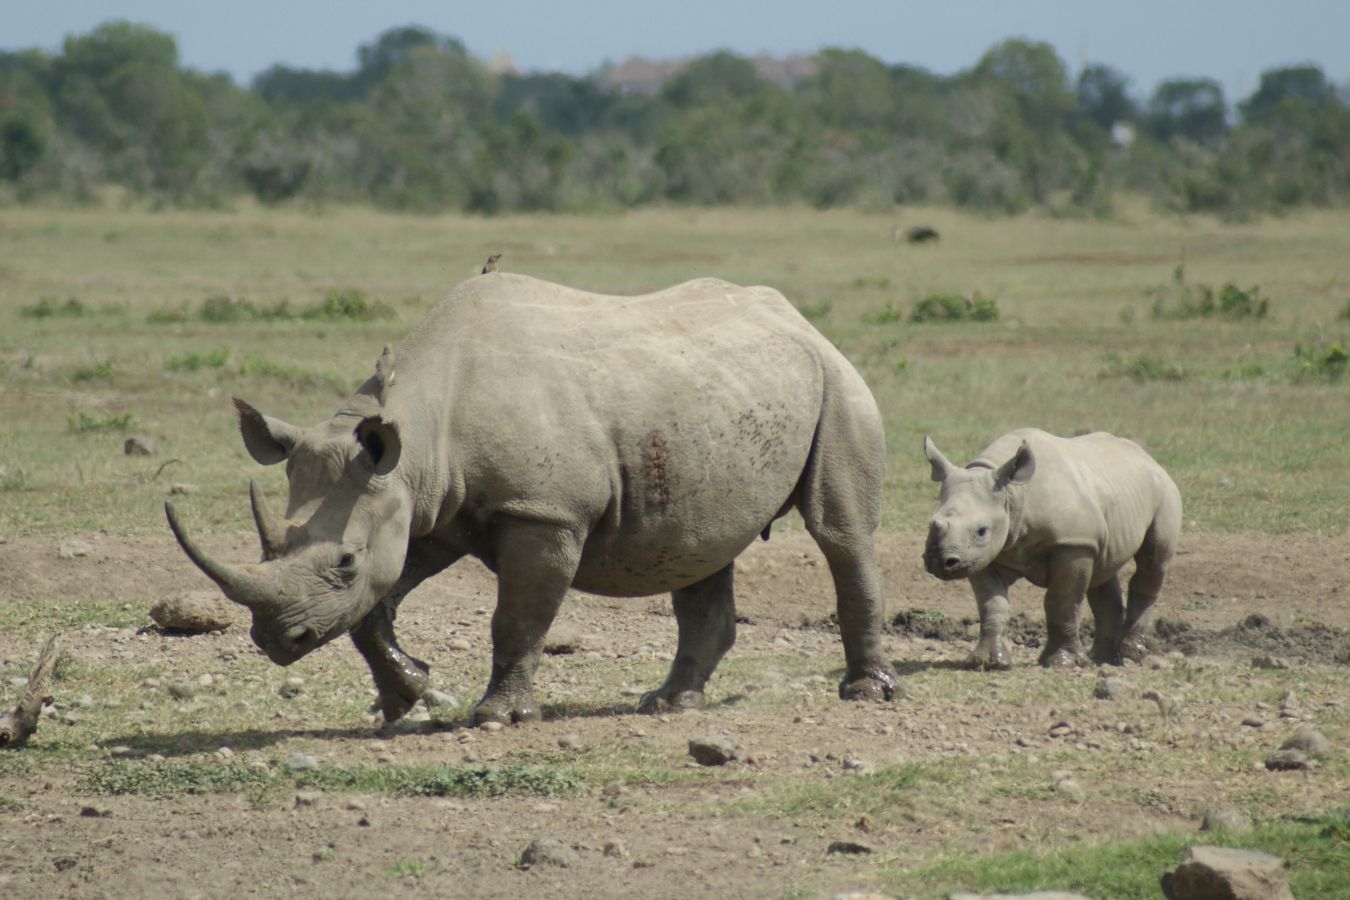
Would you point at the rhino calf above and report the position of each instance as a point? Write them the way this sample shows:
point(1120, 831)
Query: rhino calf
point(1065, 514)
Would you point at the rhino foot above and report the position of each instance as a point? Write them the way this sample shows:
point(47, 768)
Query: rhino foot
point(394, 705)
point(874, 683)
point(1061, 658)
point(659, 701)
point(506, 710)
point(1134, 649)
point(1105, 656)
point(984, 658)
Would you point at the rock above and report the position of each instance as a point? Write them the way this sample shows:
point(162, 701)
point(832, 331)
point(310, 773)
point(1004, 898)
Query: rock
point(184, 487)
point(1253, 721)
point(292, 687)
point(308, 798)
point(1225, 818)
point(139, 445)
point(613, 789)
point(435, 699)
point(301, 762)
point(570, 741)
point(457, 644)
point(1108, 688)
point(95, 812)
point(491, 726)
point(1212, 872)
point(1060, 729)
point(182, 690)
point(1071, 789)
point(1309, 740)
point(549, 850)
point(1287, 761)
point(193, 612)
point(615, 849)
point(850, 848)
point(712, 751)
point(72, 548)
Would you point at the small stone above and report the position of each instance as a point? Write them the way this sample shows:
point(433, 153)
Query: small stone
point(292, 687)
point(1108, 688)
point(1309, 740)
point(613, 789)
point(491, 726)
point(193, 612)
point(549, 850)
point(139, 445)
point(570, 741)
point(857, 766)
point(712, 751)
point(850, 848)
point(84, 701)
point(72, 548)
point(225, 753)
point(307, 798)
point(435, 699)
point(301, 762)
point(1253, 721)
point(1225, 818)
point(457, 644)
point(615, 849)
point(184, 487)
point(1287, 761)
point(182, 690)
point(205, 679)
point(1060, 729)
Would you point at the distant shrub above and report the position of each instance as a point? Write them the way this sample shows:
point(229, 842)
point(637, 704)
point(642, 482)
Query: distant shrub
point(815, 311)
point(81, 423)
point(1344, 314)
point(1200, 301)
point(194, 361)
point(1320, 360)
point(13, 480)
point(221, 308)
point(292, 375)
point(887, 315)
point(49, 307)
point(879, 282)
point(954, 308)
point(351, 305)
point(99, 371)
point(1142, 368)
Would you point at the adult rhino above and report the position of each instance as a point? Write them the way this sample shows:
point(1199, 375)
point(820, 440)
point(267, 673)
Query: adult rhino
point(1066, 514)
point(620, 445)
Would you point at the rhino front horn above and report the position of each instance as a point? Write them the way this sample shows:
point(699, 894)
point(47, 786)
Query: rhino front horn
point(242, 587)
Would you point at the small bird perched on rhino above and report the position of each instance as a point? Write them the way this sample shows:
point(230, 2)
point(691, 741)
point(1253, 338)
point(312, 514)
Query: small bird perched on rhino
point(492, 264)
point(624, 446)
point(1066, 514)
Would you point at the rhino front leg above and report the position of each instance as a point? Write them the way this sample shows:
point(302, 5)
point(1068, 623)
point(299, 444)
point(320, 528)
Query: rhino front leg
point(706, 615)
point(400, 679)
point(991, 598)
point(1108, 617)
point(535, 566)
point(1070, 574)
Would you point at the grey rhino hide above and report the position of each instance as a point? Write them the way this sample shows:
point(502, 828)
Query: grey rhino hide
point(620, 445)
point(1066, 514)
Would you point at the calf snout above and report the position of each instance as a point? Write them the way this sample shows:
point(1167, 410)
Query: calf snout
point(941, 561)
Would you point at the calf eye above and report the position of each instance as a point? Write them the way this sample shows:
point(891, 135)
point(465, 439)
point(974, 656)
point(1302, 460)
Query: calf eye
point(983, 532)
point(346, 561)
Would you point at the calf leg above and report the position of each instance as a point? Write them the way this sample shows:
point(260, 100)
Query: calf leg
point(535, 565)
point(1108, 615)
point(1070, 573)
point(400, 679)
point(706, 615)
point(1151, 563)
point(991, 598)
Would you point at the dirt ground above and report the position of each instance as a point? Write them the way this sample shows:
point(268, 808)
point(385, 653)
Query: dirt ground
point(1229, 598)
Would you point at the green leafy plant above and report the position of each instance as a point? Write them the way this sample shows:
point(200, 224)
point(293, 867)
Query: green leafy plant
point(50, 307)
point(81, 423)
point(1320, 360)
point(887, 315)
point(194, 361)
point(954, 308)
point(98, 371)
point(1142, 368)
point(1200, 301)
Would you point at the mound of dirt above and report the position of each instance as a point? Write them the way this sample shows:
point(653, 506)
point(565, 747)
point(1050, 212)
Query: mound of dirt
point(1314, 643)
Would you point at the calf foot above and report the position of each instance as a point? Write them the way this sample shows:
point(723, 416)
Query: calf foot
point(506, 708)
point(876, 681)
point(1134, 648)
point(662, 700)
point(989, 656)
point(1061, 658)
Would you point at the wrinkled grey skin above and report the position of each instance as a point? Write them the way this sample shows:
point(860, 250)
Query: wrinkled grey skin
point(620, 445)
point(1066, 514)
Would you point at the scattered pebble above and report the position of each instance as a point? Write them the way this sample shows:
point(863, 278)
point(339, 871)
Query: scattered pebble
point(293, 686)
point(712, 751)
point(457, 644)
point(302, 762)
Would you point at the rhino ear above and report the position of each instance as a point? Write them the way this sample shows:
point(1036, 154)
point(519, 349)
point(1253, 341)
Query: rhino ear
point(381, 443)
point(268, 440)
point(1017, 470)
point(941, 468)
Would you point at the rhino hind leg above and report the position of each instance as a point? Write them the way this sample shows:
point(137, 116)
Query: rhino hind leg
point(1151, 563)
point(706, 615)
point(1108, 619)
point(535, 566)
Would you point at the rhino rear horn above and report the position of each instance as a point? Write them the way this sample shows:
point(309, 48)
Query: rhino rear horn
point(271, 530)
point(242, 587)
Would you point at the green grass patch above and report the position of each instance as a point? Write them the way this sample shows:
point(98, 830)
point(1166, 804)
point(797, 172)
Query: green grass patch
point(1315, 847)
point(1142, 368)
point(955, 308)
point(32, 619)
point(1200, 301)
point(881, 795)
point(193, 361)
point(887, 315)
point(82, 423)
point(293, 376)
point(51, 308)
point(97, 371)
point(1324, 361)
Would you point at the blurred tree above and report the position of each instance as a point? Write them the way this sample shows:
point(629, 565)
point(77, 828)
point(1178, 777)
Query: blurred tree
point(1297, 86)
point(1190, 108)
point(1103, 96)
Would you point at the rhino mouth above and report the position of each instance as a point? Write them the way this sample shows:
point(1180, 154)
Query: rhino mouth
point(945, 564)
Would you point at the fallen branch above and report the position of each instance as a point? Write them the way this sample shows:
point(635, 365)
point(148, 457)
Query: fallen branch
point(18, 726)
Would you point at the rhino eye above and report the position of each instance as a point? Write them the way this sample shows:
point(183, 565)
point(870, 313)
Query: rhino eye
point(983, 532)
point(346, 561)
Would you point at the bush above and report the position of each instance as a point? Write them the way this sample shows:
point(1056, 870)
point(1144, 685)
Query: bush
point(1201, 302)
point(351, 305)
point(953, 308)
point(84, 424)
point(48, 308)
point(194, 361)
point(1142, 368)
point(1320, 360)
point(887, 315)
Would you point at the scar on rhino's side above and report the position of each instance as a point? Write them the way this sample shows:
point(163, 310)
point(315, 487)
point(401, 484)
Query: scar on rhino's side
point(658, 483)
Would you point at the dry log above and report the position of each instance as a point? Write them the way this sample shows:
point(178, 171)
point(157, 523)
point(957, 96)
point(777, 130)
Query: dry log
point(18, 726)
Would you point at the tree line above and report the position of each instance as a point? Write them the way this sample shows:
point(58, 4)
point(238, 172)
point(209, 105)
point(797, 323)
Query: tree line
point(422, 125)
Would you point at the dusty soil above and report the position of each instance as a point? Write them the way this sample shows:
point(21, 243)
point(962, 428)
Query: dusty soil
point(1229, 598)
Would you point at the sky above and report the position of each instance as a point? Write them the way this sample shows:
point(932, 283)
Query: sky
point(1149, 40)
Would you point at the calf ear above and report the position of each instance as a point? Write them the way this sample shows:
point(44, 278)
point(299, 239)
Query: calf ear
point(267, 440)
point(941, 468)
point(1017, 470)
point(381, 442)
